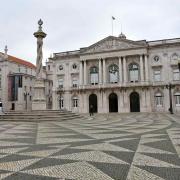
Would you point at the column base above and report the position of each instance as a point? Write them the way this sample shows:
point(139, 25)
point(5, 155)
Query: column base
point(39, 99)
point(39, 105)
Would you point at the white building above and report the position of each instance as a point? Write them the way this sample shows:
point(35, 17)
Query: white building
point(117, 75)
point(17, 83)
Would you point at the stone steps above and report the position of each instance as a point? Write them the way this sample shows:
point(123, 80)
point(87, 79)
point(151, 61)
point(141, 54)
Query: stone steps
point(49, 115)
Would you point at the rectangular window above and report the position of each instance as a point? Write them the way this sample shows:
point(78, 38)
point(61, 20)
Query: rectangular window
point(74, 83)
point(20, 81)
point(177, 100)
point(94, 78)
point(157, 75)
point(60, 83)
point(159, 100)
point(176, 75)
point(134, 75)
point(114, 77)
point(75, 102)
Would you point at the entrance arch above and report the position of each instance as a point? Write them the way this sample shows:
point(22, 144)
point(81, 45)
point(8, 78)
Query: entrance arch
point(93, 102)
point(113, 102)
point(134, 102)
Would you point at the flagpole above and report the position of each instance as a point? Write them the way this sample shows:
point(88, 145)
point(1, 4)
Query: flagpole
point(112, 25)
point(112, 19)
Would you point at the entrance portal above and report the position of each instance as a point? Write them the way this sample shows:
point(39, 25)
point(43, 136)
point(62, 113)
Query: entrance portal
point(134, 102)
point(113, 102)
point(93, 102)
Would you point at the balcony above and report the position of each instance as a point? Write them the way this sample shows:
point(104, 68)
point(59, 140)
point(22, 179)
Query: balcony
point(115, 85)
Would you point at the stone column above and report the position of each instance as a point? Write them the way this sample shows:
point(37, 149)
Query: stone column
point(85, 103)
point(120, 70)
point(146, 68)
point(104, 71)
point(124, 69)
point(105, 102)
point(54, 95)
point(81, 73)
point(121, 102)
point(126, 101)
point(39, 35)
point(141, 68)
point(39, 98)
point(100, 72)
point(85, 73)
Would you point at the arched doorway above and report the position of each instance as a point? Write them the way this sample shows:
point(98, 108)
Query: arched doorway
point(113, 102)
point(93, 102)
point(134, 102)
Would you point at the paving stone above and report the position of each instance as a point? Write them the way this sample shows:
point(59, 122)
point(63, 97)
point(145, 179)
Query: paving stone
point(134, 146)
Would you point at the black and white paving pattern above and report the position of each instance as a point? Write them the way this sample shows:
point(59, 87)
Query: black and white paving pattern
point(136, 146)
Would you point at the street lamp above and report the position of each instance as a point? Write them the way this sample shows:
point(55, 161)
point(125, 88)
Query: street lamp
point(179, 63)
point(26, 94)
point(170, 86)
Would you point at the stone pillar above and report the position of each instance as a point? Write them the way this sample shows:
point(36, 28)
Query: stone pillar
point(124, 69)
point(146, 68)
point(54, 100)
point(121, 102)
point(100, 102)
point(126, 101)
point(100, 72)
point(39, 98)
point(105, 103)
point(120, 70)
point(85, 73)
point(85, 103)
point(104, 71)
point(141, 68)
point(81, 73)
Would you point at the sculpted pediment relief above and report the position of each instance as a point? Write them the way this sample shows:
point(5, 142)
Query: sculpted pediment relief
point(113, 43)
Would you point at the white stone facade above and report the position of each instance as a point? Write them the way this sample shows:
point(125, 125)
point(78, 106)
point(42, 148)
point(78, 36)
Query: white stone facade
point(123, 76)
point(17, 83)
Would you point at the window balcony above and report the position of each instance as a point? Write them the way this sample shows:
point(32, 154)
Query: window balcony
point(109, 85)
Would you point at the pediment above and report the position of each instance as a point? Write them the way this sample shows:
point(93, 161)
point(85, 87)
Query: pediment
point(113, 43)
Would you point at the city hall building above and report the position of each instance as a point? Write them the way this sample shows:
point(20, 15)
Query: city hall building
point(117, 75)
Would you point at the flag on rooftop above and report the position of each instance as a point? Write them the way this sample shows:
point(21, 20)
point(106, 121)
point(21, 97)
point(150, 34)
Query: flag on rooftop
point(113, 18)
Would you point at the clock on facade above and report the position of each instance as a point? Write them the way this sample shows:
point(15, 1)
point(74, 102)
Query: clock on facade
point(60, 67)
point(156, 58)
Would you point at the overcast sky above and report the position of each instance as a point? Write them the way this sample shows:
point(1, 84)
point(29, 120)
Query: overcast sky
point(72, 24)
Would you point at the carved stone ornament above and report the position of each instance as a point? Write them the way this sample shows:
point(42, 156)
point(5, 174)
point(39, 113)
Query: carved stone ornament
point(112, 43)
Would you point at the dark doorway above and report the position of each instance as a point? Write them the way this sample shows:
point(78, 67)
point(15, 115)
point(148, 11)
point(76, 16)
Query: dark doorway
point(113, 102)
point(134, 102)
point(93, 102)
point(13, 106)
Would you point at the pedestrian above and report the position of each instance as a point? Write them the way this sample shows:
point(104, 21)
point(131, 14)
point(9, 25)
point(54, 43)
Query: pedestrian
point(91, 110)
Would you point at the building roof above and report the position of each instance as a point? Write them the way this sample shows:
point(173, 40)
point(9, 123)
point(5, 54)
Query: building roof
point(21, 61)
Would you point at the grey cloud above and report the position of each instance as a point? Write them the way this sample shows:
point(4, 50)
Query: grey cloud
point(73, 24)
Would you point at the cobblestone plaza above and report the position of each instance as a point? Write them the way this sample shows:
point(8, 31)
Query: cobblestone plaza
point(115, 146)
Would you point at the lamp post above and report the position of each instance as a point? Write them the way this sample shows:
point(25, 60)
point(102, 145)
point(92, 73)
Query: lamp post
point(170, 86)
point(26, 95)
point(179, 64)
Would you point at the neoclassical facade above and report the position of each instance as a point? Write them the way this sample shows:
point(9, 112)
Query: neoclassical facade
point(117, 75)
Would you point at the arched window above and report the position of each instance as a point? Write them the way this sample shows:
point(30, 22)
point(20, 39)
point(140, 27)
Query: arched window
point(94, 75)
point(113, 73)
point(177, 98)
point(159, 99)
point(133, 72)
point(61, 102)
point(75, 102)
